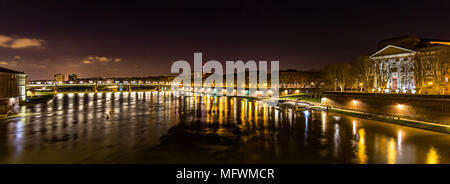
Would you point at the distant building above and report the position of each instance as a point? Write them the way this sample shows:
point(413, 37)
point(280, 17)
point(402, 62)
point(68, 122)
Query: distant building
point(396, 65)
point(12, 90)
point(73, 77)
point(59, 78)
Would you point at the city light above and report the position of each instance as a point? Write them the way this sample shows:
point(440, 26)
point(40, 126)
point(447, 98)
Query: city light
point(306, 113)
point(400, 106)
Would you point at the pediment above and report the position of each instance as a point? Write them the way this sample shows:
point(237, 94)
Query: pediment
point(391, 50)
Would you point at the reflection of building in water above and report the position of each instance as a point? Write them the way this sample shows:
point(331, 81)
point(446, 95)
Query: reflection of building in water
point(12, 90)
point(392, 152)
point(362, 154)
point(336, 140)
point(432, 156)
point(324, 122)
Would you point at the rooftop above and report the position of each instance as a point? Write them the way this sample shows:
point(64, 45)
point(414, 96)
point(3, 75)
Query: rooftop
point(412, 42)
point(5, 70)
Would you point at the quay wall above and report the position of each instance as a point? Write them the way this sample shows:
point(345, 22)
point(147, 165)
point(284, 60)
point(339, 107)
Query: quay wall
point(430, 108)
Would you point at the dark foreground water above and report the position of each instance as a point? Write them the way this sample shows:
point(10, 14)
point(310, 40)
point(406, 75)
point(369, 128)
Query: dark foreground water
point(154, 127)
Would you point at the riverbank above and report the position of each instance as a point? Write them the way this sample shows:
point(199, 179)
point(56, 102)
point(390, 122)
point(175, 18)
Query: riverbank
point(360, 114)
point(4, 116)
point(34, 100)
point(389, 119)
point(300, 97)
point(30, 101)
point(426, 108)
point(438, 127)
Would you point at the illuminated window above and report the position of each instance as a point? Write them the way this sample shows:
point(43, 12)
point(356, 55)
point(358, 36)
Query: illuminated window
point(446, 79)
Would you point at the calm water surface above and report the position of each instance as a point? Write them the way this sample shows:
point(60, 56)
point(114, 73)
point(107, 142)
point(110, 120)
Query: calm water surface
point(163, 127)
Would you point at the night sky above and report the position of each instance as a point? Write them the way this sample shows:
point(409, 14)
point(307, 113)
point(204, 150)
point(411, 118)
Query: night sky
point(126, 38)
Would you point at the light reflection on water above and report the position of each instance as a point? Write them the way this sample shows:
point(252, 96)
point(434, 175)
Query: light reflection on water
point(163, 127)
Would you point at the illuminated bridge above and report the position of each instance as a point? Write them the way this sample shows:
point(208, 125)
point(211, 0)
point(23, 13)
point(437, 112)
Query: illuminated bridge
point(163, 86)
point(97, 87)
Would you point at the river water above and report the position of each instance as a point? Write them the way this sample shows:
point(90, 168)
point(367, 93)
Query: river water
point(167, 127)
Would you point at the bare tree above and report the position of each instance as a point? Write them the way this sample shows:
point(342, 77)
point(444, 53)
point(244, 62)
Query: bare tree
point(382, 73)
point(421, 61)
point(338, 75)
point(317, 79)
point(331, 75)
point(439, 63)
point(362, 69)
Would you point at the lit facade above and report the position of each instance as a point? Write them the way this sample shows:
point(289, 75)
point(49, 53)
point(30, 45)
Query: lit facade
point(59, 78)
point(395, 65)
point(12, 90)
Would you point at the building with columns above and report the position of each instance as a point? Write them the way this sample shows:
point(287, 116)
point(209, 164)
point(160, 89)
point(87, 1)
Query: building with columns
point(395, 65)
